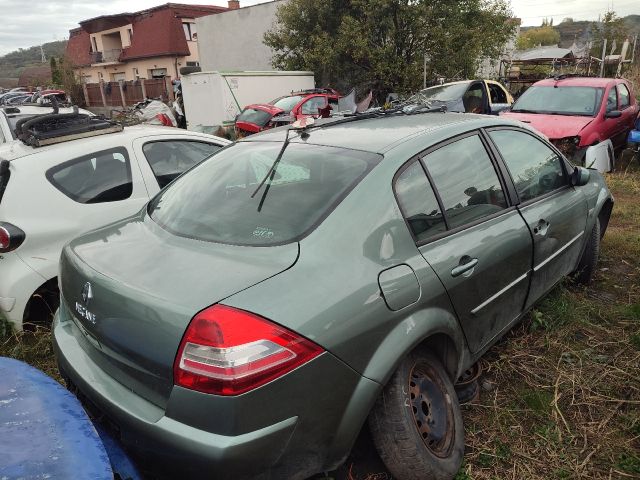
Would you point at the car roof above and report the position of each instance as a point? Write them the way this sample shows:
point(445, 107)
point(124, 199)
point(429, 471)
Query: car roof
point(381, 134)
point(16, 149)
point(575, 82)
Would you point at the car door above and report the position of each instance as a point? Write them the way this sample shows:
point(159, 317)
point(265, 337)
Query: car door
point(499, 98)
point(163, 158)
point(610, 126)
point(554, 210)
point(475, 98)
point(473, 238)
point(310, 106)
point(628, 110)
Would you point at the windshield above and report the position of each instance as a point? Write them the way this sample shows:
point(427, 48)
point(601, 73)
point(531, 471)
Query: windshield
point(443, 93)
point(212, 202)
point(257, 117)
point(560, 100)
point(287, 103)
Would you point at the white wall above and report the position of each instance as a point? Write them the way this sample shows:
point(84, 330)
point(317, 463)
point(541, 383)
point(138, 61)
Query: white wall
point(233, 40)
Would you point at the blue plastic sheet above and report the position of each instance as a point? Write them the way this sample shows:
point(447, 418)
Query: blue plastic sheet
point(44, 431)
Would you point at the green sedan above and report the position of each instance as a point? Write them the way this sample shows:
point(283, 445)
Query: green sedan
point(268, 303)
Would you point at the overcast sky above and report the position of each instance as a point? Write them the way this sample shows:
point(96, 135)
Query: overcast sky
point(25, 24)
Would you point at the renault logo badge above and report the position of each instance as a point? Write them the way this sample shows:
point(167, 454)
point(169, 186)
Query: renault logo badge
point(87, 293)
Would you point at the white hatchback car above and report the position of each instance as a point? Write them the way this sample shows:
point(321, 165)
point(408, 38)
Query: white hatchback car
point(53, 193)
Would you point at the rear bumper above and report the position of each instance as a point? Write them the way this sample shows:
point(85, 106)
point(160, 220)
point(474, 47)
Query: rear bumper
point(297, 435)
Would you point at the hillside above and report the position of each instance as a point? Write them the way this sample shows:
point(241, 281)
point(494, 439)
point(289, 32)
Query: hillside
point(13, 63)
point(581, 30)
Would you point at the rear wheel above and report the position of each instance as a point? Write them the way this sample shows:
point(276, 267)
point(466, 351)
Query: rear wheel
point(416, 424)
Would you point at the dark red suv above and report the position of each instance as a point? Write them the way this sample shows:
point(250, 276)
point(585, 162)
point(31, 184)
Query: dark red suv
point(307, 103)
point(577, 112)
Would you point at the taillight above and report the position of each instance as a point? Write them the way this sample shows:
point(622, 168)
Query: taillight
point(227, 351)
point(11, 237)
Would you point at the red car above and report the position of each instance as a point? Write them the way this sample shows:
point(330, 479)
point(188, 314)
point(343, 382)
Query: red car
point(577, 112)
point(307, 103)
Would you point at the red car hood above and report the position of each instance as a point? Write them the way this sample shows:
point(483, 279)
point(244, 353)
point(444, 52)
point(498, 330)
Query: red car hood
point(266, 108)
point(553, 126)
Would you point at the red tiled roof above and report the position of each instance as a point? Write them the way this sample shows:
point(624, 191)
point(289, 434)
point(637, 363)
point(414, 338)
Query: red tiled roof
point(158, 31)
point(78, 50)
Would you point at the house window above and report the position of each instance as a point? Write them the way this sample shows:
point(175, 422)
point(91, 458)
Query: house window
point(130, 35)
point(100, 76)
point(190, 31)
point(158, 72)
point(95, 44)
point(136, 74)
point(193, 64)
point(117, 76)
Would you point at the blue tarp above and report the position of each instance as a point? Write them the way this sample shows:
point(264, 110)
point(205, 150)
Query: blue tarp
point(44, 431)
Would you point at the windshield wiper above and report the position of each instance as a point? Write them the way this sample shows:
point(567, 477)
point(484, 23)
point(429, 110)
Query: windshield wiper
point(523, 110)
point(271, 173)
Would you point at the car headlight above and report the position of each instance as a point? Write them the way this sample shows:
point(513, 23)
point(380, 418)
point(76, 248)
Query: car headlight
point(567, 145)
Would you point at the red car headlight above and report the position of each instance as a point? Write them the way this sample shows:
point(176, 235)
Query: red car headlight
point(567, 145)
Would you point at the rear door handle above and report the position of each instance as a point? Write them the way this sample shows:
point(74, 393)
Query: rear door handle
point(467, 264)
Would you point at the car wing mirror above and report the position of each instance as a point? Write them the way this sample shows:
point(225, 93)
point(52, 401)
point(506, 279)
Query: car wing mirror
point(613, 114)
point(580, 176)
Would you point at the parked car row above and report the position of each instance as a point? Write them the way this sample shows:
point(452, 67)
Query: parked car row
point(45, 97)
point(200, 287)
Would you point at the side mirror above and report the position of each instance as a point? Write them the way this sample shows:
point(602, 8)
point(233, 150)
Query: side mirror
point(580, 176)
point(613, 114)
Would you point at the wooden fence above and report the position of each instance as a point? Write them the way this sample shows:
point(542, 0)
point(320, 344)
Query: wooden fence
point(122, 94)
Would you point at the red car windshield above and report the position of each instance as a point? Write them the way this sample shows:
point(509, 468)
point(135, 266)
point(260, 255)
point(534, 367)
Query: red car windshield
point(287, 103)
point(255, 116)
point(583, 101)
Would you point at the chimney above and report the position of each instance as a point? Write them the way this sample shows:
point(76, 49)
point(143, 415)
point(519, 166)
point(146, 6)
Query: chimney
point(234, 4)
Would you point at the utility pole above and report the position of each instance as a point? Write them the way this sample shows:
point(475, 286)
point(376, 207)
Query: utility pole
point(44, 57)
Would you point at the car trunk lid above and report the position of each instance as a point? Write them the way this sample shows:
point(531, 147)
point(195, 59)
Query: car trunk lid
point(134, 303)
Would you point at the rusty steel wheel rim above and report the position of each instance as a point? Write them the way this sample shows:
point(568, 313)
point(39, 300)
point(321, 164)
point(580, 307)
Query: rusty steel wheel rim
point(432, 410)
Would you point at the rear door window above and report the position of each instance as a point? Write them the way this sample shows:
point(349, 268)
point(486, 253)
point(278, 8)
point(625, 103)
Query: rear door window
point(466, 181)
point(535, 168)
point(99, 177)
point(171, 158)
point(418, 203)
point(498, 95)
point(624, 96)
point(311, 106)
point(228, 198)
point(612, 100)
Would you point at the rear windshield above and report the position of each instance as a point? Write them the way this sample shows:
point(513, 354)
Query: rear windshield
point(257, 117)
point(287, 103)
point(14, 119)
point(583, 101)
point(213, 201)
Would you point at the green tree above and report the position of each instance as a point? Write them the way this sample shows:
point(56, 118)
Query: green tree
point(382, 44)
point(56, 75)
point(545, 35)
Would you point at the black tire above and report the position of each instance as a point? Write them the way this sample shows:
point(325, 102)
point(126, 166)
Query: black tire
point(412, 442)
point(589, 260)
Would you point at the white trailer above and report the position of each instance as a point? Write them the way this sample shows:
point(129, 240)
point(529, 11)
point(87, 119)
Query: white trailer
point(214, 99)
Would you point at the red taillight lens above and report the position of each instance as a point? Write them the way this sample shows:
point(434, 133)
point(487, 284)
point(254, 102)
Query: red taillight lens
point(227, 351)
point(11, 237)
point(5, 238)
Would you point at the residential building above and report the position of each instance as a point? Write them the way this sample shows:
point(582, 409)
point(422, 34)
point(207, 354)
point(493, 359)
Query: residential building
point(246, 51)
point(152, 43)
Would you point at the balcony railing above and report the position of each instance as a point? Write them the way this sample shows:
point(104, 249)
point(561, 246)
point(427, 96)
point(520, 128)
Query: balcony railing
point(106, 56)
